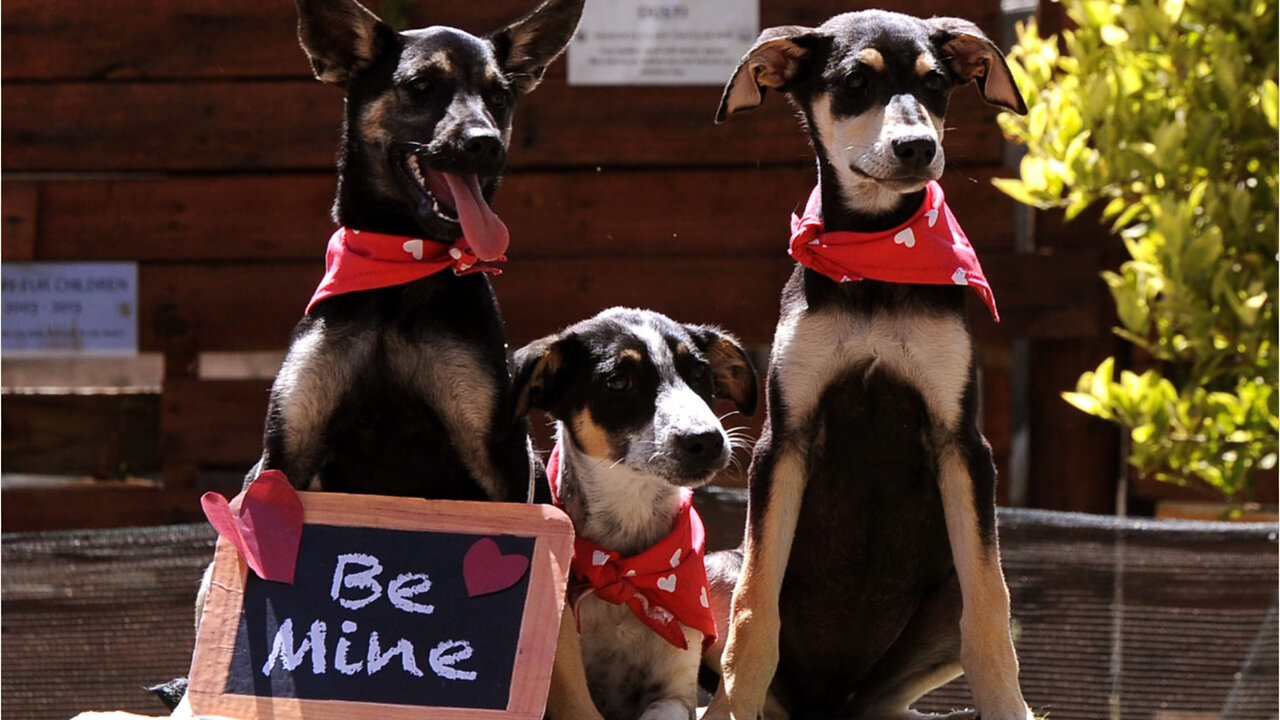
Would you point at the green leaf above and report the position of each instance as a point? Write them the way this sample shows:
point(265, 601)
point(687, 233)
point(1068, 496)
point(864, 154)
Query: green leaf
point(1100, 385)
point(1088, 404)
point(1114, 35)
point(1017, 190)
point(1270, 100)
point(1142, 434)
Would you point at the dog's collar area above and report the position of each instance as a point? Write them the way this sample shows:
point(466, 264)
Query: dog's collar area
point(665, 586)
point(361, 260)
point(929, 249)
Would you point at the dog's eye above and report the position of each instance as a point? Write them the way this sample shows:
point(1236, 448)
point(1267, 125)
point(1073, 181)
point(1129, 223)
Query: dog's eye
point(498, 99)
point(934, 81)
point(856, 80)
point(618, 382)
point(699, 373)
point(420, 85)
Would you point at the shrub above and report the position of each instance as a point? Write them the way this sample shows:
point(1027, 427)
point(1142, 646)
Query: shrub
point(1164, 112)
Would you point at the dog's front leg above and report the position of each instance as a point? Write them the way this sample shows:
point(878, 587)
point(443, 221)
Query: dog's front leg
point(751, 651)
point(319, 368)
point(569, 698)
point(986, 646)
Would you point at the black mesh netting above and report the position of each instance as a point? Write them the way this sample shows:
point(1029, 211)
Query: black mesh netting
point(1133, 619)
point(90, 618)
point(1140, 619)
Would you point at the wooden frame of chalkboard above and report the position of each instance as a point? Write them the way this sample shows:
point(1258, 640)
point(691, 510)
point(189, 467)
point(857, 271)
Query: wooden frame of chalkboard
point(221, 624)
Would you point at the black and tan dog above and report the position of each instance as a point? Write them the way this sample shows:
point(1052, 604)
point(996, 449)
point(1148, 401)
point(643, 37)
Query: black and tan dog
point(631, 392)
point(871, 573)
point(396, 379)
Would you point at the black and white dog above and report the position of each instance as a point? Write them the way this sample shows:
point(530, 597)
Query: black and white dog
point(871, 572)
point(396, 379)
point(631, 393)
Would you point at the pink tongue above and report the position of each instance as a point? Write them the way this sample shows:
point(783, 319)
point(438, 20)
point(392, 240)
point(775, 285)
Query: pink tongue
point(483, 230)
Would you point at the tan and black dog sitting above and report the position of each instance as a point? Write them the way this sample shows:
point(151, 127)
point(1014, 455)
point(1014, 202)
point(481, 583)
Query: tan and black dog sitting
point(396, 379)
point(631, 393)
point(871, 572)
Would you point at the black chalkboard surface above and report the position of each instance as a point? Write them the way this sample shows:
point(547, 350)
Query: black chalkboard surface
point(397, 605)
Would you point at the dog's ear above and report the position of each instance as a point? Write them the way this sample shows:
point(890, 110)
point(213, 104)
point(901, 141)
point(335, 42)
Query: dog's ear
point(341, 37)
point(731, 369)
point(971, 56)
point(536, 369)
point(527, 46)
point(779, 55)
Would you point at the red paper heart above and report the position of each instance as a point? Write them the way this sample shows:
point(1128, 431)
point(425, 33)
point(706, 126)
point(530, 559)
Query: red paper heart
point(486, 570)
point(267, 529)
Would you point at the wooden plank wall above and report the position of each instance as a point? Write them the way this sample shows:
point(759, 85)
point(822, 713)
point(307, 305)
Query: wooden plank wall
point(190, 137)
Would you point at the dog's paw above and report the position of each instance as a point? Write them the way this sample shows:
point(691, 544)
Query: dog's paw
point(170, 693)
point(669, 709)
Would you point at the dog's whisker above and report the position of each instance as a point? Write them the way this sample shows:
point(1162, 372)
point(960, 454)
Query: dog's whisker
point(735, 463)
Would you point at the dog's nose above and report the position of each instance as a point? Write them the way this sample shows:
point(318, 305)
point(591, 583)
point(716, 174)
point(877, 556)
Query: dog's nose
point(915, 153)
point(704, 446)
point(482, 145)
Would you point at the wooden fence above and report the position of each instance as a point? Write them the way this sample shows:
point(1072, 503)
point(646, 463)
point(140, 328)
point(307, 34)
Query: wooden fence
point(189, 137)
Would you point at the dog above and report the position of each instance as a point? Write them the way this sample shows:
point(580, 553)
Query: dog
point(396, 379)
point(870, 573)
point(631, 393)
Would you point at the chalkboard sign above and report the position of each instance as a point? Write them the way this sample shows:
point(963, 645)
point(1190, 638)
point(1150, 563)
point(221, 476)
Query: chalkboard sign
point(399, 608)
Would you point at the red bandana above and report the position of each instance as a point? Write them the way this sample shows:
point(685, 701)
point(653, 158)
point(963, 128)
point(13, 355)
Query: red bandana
point(928, 249)
point(665, 586)
point(360, 260)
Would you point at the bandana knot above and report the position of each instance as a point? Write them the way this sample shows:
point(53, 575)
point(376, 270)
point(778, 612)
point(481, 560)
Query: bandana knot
point(664, 586)
point(361, 260)
point(929, 249)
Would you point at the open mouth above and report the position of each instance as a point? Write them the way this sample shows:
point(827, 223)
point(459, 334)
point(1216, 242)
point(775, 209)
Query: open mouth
point(446, 203)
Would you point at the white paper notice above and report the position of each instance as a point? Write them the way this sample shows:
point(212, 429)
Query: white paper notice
point(69, 308)
point(688, 42)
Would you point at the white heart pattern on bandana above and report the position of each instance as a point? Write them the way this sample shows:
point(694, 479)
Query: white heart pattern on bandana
point(599, 557)
point(706, 602)
point(455, 253)
point(667, 583)
point(933, 217)
point(959, 277)
point(414, 248)
point(675, 557)
point(905, 237)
